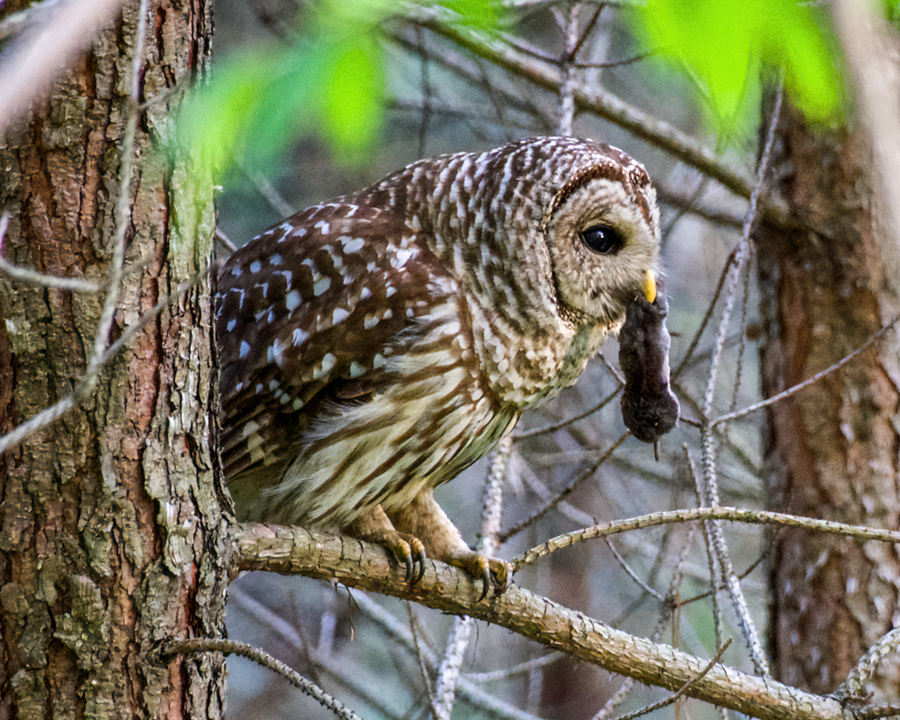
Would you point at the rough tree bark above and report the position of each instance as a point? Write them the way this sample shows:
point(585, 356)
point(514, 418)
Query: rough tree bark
point(833, 450)
point(111, 523)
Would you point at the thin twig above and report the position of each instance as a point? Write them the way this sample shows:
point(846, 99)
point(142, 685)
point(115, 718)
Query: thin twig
point(421, 661)
point(522, 667)
point(707, 316)
point(123, 205)
point(89, 380)
point(709, 492)
point(260, 657)
point(681, 211)
point(741, 576)
point(681, 691)
point(268, 191)
point(292, 635)
point(83, 388)
point(468, 690)
point(544, 493)
point(226, 241)
point(631, 573)
point(33, 277)
point(806, 383)
point(553, 427)
point(565, 492)
point(732, 514)
point(667, 195)
point(462, 68)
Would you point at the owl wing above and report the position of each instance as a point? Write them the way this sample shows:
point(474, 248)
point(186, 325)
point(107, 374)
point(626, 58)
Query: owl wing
point(308, 315)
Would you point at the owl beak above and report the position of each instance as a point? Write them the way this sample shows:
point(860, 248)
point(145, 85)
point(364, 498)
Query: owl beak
point(648, 285)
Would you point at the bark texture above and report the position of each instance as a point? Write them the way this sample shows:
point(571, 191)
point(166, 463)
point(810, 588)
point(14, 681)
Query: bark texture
point(833, 450)
point(111, 527)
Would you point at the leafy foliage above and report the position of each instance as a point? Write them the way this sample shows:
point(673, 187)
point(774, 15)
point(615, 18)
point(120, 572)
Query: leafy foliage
point(727, 48)
point(330, 80)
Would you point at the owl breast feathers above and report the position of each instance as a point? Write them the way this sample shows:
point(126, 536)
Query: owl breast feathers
point(373, 346)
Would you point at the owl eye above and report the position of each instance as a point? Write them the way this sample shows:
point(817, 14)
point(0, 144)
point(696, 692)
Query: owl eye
point(602, 239)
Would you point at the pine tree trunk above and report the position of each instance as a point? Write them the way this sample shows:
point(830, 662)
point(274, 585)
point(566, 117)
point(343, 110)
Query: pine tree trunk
point(111, 524)
point(831, 451)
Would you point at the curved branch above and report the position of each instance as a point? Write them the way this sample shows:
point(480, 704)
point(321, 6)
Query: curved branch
point(358, 564)
point(753, 517)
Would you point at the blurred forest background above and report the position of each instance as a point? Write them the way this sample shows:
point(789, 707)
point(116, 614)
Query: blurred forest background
point(441, 97)
point(770, 131)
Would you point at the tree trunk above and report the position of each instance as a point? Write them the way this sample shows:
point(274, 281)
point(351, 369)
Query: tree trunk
point(111, 524)
point(831, 451)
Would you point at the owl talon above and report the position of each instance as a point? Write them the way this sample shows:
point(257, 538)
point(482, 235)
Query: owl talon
point(408, 551)
point(492, 572)
point(499, 575)
point(418, 560)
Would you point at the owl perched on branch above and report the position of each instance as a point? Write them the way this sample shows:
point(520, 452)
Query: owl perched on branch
point(374, 346)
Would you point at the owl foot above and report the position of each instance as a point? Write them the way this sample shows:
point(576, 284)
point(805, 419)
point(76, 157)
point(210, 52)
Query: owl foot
point(406, 549)
point(423, 518)
point(492, 572)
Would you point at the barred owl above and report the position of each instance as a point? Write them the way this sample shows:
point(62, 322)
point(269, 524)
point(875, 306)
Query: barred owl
point(374, 346)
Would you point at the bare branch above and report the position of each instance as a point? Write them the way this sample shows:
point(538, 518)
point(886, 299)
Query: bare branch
point(33, 277)
point(291, 634)
point(468, 689)
point(681, 691)
point(553, 427)
point(523, 667)
point(260, 657)
point(565, 492)
point(806, 383)
point(854, 685)
point(687, 203)
point(592, 100)
point(358, 564)
point(83, 387)
point(123, 206)
point(566, 109)
point(708, 490)
point(226, 241)
point(753, 517)
point(631, 573)
point(448, 674)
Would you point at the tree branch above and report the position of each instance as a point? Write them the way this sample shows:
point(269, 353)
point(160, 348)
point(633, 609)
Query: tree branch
point(754, 517)
point(358, 564)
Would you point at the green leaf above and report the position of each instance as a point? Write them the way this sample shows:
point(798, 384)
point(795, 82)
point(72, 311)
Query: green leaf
point(353, 93)
point(726, 47)
point(331, 81)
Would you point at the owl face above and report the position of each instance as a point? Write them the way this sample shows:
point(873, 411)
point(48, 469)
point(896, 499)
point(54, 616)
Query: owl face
point(602, 231)
point(547, 233)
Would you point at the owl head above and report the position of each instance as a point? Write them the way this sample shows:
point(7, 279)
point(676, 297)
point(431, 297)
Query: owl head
point(544, 229)
point(602, 231)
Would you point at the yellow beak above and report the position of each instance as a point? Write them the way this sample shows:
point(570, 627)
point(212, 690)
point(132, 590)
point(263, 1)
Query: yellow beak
point(648, 285)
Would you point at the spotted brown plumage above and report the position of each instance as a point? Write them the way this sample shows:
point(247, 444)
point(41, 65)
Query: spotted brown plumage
point(374, 346)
